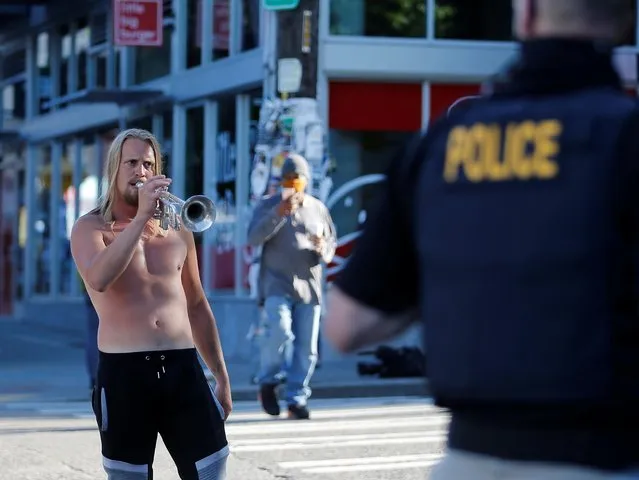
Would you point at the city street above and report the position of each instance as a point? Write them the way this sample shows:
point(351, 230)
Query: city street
point(354, 439)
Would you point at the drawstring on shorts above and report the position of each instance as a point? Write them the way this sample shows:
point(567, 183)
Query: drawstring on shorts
point(160, 364)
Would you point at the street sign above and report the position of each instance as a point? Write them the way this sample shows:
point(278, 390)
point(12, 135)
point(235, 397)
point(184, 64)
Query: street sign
point(138, 23)
point(280, 4)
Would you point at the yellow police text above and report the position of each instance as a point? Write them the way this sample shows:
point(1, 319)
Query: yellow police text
point(493, 153)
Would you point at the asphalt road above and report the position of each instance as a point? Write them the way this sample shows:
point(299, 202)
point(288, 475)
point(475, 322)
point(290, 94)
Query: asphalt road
point(350, 439)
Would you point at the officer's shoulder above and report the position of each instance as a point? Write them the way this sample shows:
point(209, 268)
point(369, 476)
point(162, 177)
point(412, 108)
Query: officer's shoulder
point(609, 102)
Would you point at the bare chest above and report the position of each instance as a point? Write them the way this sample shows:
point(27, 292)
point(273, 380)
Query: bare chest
point(157, 256)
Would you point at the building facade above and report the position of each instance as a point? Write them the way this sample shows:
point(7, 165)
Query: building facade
point(386, 69)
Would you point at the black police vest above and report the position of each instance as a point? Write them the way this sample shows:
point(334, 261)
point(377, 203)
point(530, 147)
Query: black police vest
point(523, 253)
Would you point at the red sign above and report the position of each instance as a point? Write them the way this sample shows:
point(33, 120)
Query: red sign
point(138, 23)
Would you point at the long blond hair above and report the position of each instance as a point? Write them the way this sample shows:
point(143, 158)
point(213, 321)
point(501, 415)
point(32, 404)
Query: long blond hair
point(112, 167)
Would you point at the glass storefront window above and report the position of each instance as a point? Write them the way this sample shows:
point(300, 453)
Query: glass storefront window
point(13, 94)
point(64, 39)
point(166, 140)
point(152, 62)
point(223, 257)
point(473, 20)
point(43, 64)
point(489, 20)
point(12, 236)
point(13, 104)
point(359, 158)
point(220, 31)
point(194, 151)
point(97, 61)
point(87, 190)
point(250, 35)
point(82, 42)
point(375, 18)
point(230, 209)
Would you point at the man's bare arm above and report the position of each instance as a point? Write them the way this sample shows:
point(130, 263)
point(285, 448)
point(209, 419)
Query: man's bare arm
point(350, 325)
point(98, 264)
point(203, 324)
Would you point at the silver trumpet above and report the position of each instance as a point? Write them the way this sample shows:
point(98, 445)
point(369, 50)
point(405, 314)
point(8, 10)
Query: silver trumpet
point(196, 213)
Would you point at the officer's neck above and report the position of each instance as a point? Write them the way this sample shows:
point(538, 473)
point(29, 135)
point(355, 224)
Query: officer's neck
point(554, 65)
point(551, 49)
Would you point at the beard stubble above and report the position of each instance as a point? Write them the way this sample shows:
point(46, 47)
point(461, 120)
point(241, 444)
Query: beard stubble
point(131, 197)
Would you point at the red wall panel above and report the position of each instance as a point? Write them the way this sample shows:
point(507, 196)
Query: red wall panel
point(443, 95)
point(368, 106)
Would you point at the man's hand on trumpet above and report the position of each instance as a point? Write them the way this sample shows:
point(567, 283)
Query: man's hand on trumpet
point(149, 195)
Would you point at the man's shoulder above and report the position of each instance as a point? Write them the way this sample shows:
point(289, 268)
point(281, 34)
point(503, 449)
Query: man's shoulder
point(91, 220)
point(315, 202)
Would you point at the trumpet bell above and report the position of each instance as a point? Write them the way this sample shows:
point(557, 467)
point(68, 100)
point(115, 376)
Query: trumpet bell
point(198, 213)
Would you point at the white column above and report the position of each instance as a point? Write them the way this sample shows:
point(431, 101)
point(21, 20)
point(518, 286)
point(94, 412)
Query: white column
point(242, 170)
point(31, 101)
point(99, 164)
point(178, 153)
point(235, 35)
point(157, 126)
point(126, 72)
point(425, 105)
point(55, 195)
point(179, 36)
point(29, 252)
point(206, 29)
point(210, 186)
point(268, 34)
point(322, 79)
point(431, 8)
point(76, 152)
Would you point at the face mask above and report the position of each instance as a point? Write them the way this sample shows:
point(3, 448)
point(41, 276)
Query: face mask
point(298, 184)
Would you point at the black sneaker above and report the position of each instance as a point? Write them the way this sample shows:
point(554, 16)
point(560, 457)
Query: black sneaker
point(298, 412)
point(268, 398)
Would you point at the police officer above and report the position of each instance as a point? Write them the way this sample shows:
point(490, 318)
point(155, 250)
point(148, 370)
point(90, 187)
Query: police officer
point(511, 229)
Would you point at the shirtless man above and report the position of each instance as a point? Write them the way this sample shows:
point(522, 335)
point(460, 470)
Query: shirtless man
point(145, 285)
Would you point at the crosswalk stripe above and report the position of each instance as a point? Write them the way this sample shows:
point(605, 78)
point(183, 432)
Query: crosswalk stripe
point(300, 445)
point(300, 427)
point(339, 462)
point(368, 468)
point(335, 438)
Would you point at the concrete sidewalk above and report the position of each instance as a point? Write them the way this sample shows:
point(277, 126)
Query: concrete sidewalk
point(39, 364)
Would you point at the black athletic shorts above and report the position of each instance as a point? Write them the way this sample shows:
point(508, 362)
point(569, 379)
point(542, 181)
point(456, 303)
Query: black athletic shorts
point(141, 394)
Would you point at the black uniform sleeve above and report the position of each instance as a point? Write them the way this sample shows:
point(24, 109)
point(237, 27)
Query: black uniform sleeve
point(382, 271)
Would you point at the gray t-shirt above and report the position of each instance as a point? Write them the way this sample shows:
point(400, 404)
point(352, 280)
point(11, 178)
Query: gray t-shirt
point(290, 267)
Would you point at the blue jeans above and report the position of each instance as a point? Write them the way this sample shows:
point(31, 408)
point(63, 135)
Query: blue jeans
point(91, 347)
point(290, 338)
